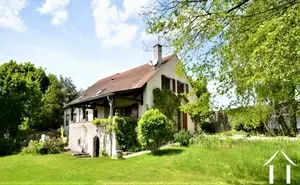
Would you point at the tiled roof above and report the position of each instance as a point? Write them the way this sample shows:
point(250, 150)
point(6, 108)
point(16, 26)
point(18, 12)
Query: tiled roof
point(129, 80)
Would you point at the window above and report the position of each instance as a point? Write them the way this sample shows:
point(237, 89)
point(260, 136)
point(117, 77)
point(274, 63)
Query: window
point(187, 88)
point(67, 120)
point(165, 82)
point(131, 110)
point(180, 87)
point(174, 85)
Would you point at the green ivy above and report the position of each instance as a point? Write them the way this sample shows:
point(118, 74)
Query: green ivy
point(167, 102)
point(125, 129)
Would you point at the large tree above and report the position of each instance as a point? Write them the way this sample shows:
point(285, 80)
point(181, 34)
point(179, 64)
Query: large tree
point(20, 94)
point(251, 45)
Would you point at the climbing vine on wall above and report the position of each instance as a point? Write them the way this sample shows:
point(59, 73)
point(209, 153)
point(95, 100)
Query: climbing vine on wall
point(167, 102)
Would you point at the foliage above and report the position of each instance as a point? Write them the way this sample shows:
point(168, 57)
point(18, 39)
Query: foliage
point(154, 129)
point(125, 129)
point(34, 147)
point(250, 119)
point(20, 95)
point(51, 146)
point(51, 115)
point(183, 137)
point(235, 42)
point(7, 146)
point(54, 146)
point(198, 108)
point(167, 102)
point(102, 122)
point(208, 127)
point(30, 99)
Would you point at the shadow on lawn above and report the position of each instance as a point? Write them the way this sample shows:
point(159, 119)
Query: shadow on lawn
point(170, 151)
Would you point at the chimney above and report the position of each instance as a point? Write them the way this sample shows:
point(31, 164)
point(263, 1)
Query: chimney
point(157, 55)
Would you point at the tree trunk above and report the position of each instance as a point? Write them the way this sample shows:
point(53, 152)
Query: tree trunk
point(292, 108)
point(280, 120)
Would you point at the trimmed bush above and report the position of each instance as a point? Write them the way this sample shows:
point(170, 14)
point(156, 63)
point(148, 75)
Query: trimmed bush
point(125, 133)
point(183, 137)
point(154, 129)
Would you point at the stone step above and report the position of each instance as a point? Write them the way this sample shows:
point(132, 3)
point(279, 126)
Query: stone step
point(79, 154)
point(84, 156)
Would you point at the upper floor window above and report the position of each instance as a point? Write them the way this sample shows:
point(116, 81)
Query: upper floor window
point(174, 85)
point(165, 82)
point(180, 87)
point(187, 88)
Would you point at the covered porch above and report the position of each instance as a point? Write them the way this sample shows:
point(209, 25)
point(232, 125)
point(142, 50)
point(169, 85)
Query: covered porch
point(84, 136)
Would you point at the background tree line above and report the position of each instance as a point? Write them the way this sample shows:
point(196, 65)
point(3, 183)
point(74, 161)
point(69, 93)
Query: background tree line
point(31, 99)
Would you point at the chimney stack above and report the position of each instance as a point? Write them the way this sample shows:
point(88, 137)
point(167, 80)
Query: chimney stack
point(157, 54)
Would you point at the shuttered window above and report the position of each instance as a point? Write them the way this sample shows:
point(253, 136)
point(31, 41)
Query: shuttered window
point(174, 85)
point(187, 88)
point(165, 82)
point(180, 87)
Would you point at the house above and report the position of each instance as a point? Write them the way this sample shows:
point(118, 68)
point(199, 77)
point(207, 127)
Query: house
point(130, 94)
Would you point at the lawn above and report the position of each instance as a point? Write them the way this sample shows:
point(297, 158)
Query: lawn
point(233, 163)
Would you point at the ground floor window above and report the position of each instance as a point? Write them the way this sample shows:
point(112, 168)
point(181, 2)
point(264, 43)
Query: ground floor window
point(131, 110)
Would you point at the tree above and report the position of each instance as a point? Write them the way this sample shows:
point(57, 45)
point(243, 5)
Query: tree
point(51, 115)
point(251, 45)
point(68, 89)
point(20, 95)
point(154, 129)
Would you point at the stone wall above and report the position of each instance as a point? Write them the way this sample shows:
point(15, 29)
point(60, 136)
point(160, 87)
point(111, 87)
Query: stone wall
point(82, 135)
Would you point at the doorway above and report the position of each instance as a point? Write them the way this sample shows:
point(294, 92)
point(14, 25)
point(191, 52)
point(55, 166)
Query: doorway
point(96, 146)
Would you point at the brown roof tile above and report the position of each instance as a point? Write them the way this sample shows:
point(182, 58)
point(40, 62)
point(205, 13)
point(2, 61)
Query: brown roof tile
point(132, 79)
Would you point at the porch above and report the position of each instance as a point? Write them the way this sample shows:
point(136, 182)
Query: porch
point(83, 135)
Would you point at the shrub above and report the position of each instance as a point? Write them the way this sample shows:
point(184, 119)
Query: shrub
point(248, 128)
point(183, 137)
point(208, 127)
point(51, 146)
point(154, 129)
point(125, 132)
point(7, 146)
point(34, 147)
point(54, 146)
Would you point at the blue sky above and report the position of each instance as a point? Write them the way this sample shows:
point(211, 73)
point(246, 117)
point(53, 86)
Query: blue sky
point(82, 39)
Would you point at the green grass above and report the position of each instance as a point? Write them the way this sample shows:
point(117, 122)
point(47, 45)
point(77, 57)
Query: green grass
point(232, 164)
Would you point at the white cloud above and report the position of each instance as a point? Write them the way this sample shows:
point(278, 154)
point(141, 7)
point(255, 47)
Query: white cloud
point(10, 14)
point(112, 23)
point(57, 8)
